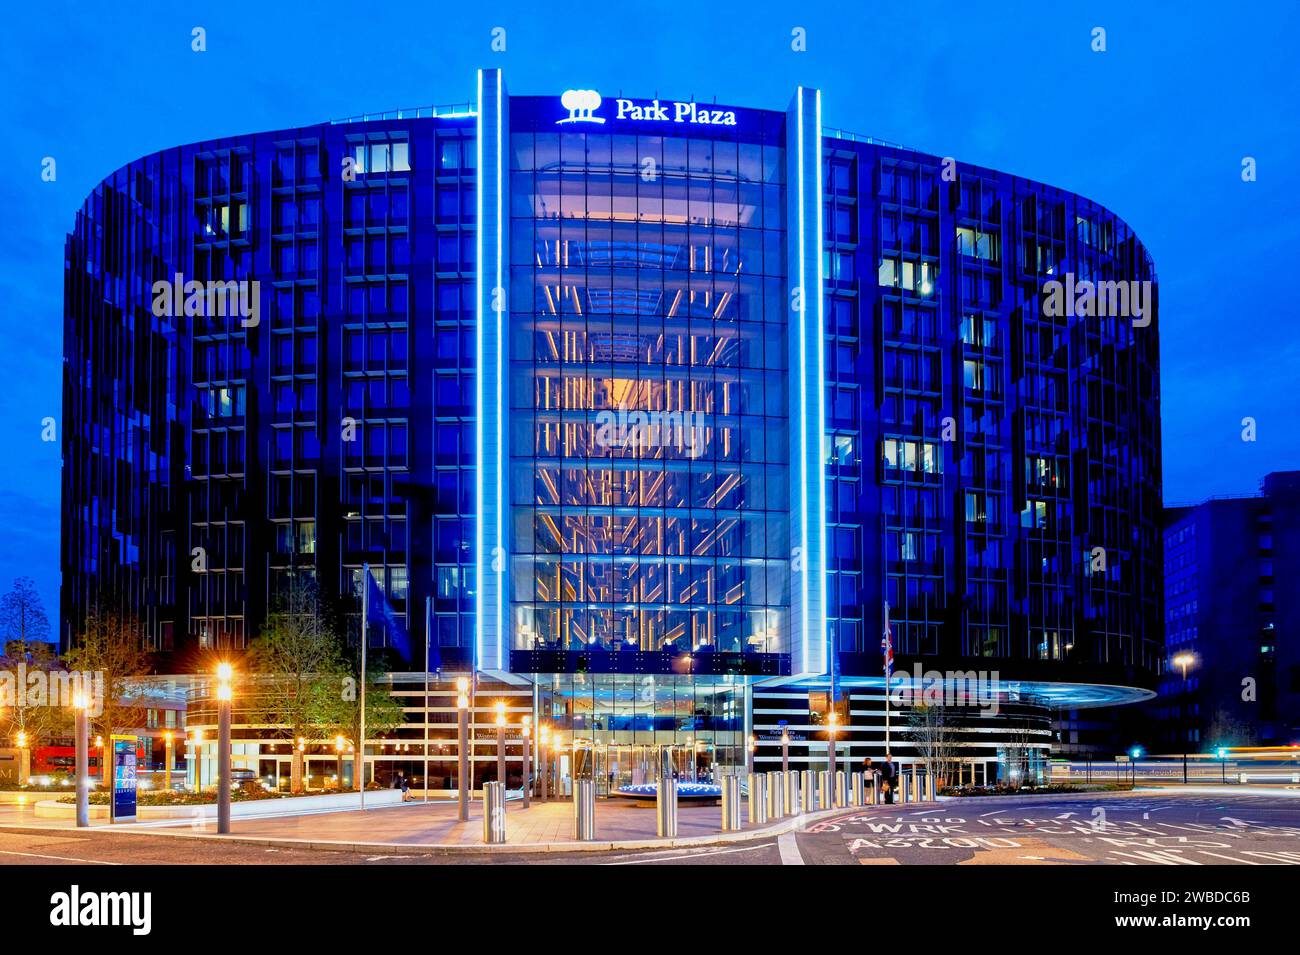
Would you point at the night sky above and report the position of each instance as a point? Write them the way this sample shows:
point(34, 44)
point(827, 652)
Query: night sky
point(1155, 129)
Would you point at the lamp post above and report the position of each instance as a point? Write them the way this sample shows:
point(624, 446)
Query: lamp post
point(339, 744)
point(167, 759)
point(527, 729)
point(82, 762)
point(224, 694)
point(832, 720)
point(501, 742)
point(24, 758)
point(785, 749)
point(462, 749)
point(557, 747)
point(198, 761)
point(749, 758)
point(1183, 661)
point(543, 740)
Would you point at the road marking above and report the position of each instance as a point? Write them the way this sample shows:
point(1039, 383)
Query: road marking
point(1220, 855)
point(673, 857)
point(788, 846)
point(39, 855)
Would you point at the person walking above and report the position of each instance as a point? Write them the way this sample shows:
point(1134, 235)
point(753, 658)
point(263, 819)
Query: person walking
point(889, 778)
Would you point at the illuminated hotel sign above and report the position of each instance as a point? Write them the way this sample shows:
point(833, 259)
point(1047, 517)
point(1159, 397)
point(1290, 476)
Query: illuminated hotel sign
point(583, 104)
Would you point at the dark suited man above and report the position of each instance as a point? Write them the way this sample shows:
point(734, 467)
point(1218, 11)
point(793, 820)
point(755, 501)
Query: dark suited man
point(889, 778)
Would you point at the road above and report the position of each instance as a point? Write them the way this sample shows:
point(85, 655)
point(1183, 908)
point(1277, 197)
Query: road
point(1141, 828)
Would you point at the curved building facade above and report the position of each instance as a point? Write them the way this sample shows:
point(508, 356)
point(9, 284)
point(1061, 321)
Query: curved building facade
point(655, 414)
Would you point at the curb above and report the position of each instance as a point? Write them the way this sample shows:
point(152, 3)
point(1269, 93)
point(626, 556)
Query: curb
point(789, 824)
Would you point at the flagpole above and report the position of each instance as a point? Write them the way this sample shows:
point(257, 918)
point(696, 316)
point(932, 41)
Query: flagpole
point(365, 619)
point(428, 637)
point(888, 748)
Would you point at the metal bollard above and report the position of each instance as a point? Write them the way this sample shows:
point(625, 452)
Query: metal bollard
point(808, 784)
point(757, 799)
point(494, 813)
point(825, 798)
point(584, 809)
point(904, 790)
point(793, 803)
point(929, 787)
point(731, 821)
point(775, 796)
point(916, 785)
point(666, 804)
point(841, 782)
point(855, 790)
point(875, 788)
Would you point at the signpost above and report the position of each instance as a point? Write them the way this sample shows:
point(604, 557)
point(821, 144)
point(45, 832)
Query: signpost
point(123, 803)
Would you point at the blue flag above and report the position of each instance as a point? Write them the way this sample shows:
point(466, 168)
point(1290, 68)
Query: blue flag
point(377, 609)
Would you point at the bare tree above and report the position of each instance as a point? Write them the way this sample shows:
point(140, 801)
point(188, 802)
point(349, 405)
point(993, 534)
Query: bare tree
point(22, 616)
point(931, 729)
point(296, 670)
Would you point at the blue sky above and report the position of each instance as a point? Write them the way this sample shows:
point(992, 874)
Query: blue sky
point(1155, 128)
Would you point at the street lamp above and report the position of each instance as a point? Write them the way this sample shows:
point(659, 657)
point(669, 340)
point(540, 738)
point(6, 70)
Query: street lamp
point(462, 751)
point(557, 747)
point(785, 749)
point(525, 734)
point(501, 742)
point(224, 695)
point(24, 758)
point(82, 763)
point(167, 760)
point(198, 761)
point(832, 720)
point(749, 760)
point(543, 741)
point(339, 744)
point(1183, 661)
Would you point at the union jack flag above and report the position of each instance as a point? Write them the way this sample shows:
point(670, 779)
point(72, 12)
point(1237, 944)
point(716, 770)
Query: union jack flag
point(887, 644)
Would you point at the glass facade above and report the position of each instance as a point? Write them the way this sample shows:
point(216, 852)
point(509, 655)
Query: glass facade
point(992, 471)
point(649, 474)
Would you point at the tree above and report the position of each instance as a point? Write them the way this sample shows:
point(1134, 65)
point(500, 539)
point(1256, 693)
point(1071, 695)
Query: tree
point(383, 713)
point(39, 716)
point(113, 644)
point(931, 729)
point(22, 616)
point(296, 670)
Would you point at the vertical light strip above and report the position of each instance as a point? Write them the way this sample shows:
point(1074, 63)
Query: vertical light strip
point(502, 496)
point(823, 568)
point(803, 386)
point(479, 576)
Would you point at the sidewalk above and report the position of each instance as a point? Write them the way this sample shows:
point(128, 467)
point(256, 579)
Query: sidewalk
point(543, 827)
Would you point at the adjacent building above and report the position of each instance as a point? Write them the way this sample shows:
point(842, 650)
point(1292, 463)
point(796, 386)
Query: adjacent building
point(1232, 612)
point(651, 414)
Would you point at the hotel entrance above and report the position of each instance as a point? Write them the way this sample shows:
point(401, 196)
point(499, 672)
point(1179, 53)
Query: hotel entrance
point(624, 729)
